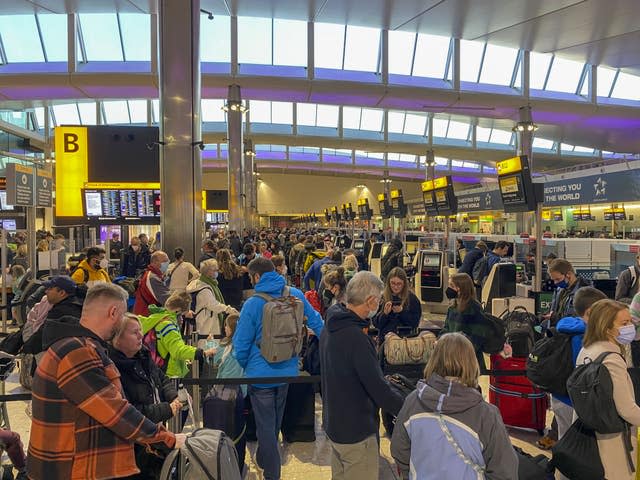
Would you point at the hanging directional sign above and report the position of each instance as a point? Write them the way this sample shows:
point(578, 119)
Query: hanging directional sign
point(19, 185)
point(44, 187)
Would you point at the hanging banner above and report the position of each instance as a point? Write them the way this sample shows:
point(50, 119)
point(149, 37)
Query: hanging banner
point(611, 187)
point(479, 202)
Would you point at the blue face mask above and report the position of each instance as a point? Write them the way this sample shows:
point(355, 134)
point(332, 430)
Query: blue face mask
point(562, 284)
point(626, 334)
point(164, 266)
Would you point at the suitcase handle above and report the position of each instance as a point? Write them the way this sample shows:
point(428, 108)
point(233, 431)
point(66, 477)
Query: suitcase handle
point(533, 396)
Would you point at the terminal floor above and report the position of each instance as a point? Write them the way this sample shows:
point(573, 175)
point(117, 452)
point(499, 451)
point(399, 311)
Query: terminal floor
point(301, 461)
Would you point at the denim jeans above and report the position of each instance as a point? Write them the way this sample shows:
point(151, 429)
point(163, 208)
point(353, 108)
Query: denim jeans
point(268, 409)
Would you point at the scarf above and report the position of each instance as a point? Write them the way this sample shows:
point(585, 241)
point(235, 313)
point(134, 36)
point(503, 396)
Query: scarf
point(217, 294)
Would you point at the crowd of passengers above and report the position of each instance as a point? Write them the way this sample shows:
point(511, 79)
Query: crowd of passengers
point(95, 374)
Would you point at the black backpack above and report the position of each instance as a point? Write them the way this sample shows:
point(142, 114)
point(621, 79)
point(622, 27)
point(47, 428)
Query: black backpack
point(591, 391)
point(496, 335)
point(576, 454)
point(550, 362)
point(519, 331)
point(480, 270)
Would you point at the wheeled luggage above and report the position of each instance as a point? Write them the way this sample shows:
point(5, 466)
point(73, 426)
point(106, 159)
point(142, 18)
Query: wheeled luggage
point(299, 420)
point(402, 385)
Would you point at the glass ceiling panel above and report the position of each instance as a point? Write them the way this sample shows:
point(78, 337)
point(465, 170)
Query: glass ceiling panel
point(155, 104)
point(543, 143)
point(116, 112)
point(501, 136)
point(215, 39)
point(415, 124)
point(138, 111)
point(101, 36)
point(306, 114)
point(351, 117)
point(470, 58)
point(441, 161)
point(538, 66)
point(580, 149)
point(497, 68)
point(54, 36)
point(605, 81)
point(289, 42)
point(212, 110)
point(282, 113)
point(136, 36)
point(567, 147)
point(260, 111)
point(627, 87)
point(431, 56)
point(254, 40)
point(87, 113)
point(20, 38)
point(440, 127)
point(371, 119)
point(328, 45)
point(66, 114)
point(401, 46)
point(395, 121)
point(328, 116)
point(483, 134)
point(564, 76)
point(458, 130)
point(361, 49)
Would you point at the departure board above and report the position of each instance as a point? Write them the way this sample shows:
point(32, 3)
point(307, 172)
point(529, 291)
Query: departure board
point(128, 203)
point(122, 204)
point(145, 203)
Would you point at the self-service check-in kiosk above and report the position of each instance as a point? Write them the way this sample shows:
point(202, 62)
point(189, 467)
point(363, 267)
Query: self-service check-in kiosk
point(432, 279)
point(378, 250)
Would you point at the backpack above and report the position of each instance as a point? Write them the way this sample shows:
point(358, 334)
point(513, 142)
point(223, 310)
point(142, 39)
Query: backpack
point(150, 340)
point(479, 271)
point(550, 362)
point(206, 455)
point(591, 391)
point(194, 301)
point(519, 331)
point(530, 467)
point(283, 326)
point(576, 454)
point(496, 338)
point(311, 258)
point(85, 273)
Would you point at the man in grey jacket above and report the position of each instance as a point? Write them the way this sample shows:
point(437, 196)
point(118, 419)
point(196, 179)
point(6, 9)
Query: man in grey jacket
point(628, 282)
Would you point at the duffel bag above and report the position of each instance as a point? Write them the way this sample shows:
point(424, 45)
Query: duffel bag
point(408, 350)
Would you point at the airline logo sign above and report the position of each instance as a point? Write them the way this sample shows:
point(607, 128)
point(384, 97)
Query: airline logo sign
point(19, 185)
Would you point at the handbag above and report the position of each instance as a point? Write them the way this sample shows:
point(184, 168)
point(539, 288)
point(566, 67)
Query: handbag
point(408, 350)
point(576, 454)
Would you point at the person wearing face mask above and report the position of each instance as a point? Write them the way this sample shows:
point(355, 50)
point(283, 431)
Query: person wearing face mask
point(609, 328)
point(353, 386)
point(567, 284)
point(401, 308)
point(70, 399)
point(92, 269)
point(135, 259)
point(210, 308)
point(152, 289)
point(335, 286)
point(465, 314)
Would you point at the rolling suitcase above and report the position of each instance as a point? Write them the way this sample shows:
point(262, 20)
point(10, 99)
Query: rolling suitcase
point(520, 403)
point(299, 420)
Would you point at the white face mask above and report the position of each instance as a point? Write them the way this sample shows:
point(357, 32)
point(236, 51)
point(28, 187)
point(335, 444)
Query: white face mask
point(104, 263)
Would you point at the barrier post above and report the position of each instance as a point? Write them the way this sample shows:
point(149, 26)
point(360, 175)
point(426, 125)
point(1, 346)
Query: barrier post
point(195, 373)
point(175, 422)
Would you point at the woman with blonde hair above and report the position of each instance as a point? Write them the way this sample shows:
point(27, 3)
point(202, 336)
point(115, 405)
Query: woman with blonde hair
point(608, 329)
point(445, 429)
point(350, 265)
point(400, 306)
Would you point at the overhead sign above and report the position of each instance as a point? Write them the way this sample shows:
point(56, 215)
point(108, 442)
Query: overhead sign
point(510, 165)
point(623, 186)
point(72, 171)
point(44, 187)
point(479, 202)
point(19, 185)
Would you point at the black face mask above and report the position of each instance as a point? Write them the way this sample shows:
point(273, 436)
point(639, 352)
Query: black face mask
point(450, 293)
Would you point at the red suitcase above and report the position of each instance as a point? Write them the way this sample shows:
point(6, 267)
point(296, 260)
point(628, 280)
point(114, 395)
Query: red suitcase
point(520, 403)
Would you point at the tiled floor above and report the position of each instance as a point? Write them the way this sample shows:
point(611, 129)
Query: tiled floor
point(301, 461)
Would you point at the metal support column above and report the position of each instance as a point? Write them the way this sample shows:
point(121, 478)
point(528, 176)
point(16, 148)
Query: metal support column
point(180, 125)
point(235, 109)
point(247, 184)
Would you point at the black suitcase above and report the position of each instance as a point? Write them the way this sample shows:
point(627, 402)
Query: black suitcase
point(299, 420)
point(402, 385)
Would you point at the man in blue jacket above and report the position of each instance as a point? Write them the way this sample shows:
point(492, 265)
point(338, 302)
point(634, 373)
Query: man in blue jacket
point(267, 400)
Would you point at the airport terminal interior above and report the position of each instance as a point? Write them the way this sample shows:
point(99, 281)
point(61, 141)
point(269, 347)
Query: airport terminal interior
point(424, 131)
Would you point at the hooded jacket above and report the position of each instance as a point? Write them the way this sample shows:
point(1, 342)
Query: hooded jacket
point(85, 274)
point(562, 301)
point(470, 260)
point(249, 331)
point(134, 263)
point(574, 326)
point(83, 428)
point(441, 413)
point(353, 386)
point(151, 291)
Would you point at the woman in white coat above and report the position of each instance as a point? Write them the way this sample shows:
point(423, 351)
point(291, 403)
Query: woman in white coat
point(609, 328)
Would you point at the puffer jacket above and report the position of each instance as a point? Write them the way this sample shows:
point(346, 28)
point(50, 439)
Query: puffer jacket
point(441, 414)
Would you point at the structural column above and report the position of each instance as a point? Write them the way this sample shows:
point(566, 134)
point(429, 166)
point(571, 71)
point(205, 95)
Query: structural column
point(235, 109)
point(180, 125)
point(248, 184)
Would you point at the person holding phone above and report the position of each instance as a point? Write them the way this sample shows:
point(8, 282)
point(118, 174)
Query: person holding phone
point(401, 309)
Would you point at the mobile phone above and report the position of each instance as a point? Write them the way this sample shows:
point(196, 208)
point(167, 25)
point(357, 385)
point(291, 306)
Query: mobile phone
point(396, 303)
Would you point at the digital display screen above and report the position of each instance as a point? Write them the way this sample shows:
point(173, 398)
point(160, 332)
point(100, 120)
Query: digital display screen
point(217, 217)
point(441, 197)
point(93, 203)
point(557, 216)
point(615, 214)
point(512, 190)
point(3, 201)
point(431, 261)
point(358, 244)
point(428, 199)
point(122, 204)
point(9, 224)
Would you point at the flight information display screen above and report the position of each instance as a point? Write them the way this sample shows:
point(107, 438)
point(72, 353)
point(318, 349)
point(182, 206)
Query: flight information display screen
point(512, 190)
point(122, 204)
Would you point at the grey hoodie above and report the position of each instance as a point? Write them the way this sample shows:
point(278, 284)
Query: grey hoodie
point(441, 414)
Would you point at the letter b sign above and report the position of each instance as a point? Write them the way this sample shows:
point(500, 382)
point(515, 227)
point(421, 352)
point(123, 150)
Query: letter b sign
point(71, 143)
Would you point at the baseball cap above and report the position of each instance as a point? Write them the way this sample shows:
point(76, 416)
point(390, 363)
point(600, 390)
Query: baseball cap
point(63, 282)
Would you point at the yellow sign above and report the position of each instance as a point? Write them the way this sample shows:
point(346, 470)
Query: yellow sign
point(382, 197)
point(509, 185)
point(334, 209)
point(440, 182)
point(396, 194)
point(546, 215)
point(363, 201)
point(427, 186)
point(72, 170)
point(510, 165)
point(126, 186)
point(347, 205)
